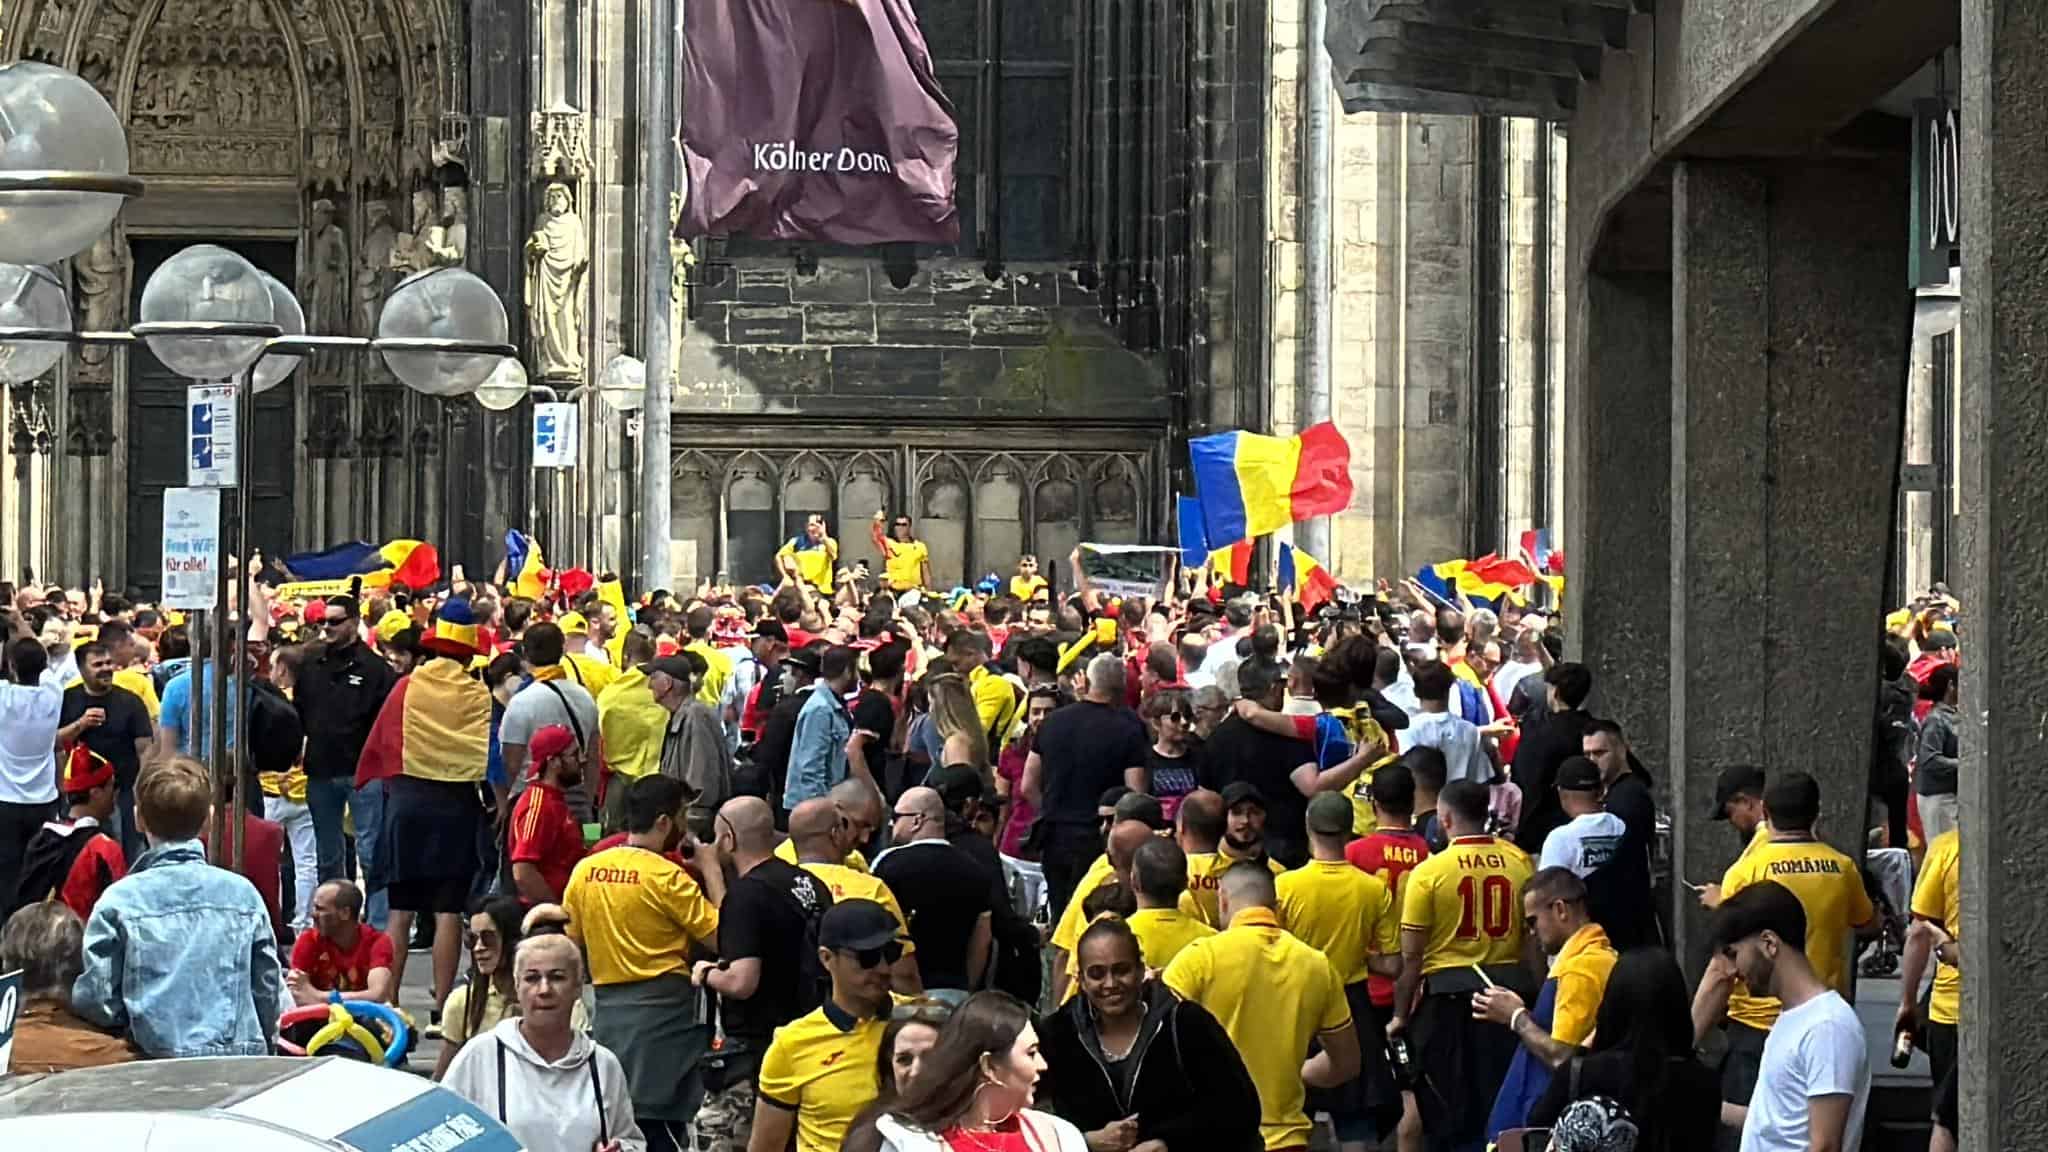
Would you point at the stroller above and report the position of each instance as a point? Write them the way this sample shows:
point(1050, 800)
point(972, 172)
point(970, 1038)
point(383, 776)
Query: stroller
point(1888, 876)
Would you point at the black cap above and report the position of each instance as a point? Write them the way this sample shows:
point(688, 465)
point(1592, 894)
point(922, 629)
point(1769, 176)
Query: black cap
point(956, 784)
point(1936, 640)
point(1578, 774)
point(674, 667)
point(809, 659)
point(1243, 792)
point(1733, 782)
point(855, 925)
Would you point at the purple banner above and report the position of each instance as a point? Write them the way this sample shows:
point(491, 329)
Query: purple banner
point(815, 120)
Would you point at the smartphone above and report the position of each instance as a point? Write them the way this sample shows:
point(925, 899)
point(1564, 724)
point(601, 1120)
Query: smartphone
point(1690, 884)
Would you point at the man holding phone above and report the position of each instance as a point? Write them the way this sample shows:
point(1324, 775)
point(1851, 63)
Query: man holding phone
point(114, 723)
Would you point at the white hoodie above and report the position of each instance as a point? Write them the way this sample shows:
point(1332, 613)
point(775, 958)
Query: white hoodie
point(550, 1106)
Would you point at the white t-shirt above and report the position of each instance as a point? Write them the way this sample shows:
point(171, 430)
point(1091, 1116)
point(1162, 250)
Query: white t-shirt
point(28, 738)
point(1457, 739)
point(1584, 844)
point(1816, 1049)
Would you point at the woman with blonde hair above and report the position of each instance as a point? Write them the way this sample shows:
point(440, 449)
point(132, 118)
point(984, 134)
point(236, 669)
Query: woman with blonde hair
point(963, 739)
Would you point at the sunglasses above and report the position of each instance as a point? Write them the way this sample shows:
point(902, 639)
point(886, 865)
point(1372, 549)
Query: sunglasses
point(874, 957)
point(334, 622)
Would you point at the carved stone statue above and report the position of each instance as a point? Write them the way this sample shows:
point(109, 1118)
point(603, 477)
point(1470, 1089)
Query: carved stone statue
point(414, 251)
point(557, 256)
point(102, 273)
point(373, 267)
point(324, 288)
point(452, 245)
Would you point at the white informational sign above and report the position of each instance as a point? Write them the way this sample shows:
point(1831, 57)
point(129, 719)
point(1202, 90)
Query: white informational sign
point(554, 435)
point(10, 1012)
point(211, 440)
point(191, 547)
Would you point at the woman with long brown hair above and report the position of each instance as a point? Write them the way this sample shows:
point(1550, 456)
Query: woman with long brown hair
point(973, 1090)
point(963, 739)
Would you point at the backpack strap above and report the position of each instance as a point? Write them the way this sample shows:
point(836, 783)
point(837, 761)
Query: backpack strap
point(575, 725)
point(501, 1078)
point(597, 1089)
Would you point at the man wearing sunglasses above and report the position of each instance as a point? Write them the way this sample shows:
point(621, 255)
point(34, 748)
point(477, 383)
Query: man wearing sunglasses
point(820, 1070)
point(340, 689)
point(906, 561)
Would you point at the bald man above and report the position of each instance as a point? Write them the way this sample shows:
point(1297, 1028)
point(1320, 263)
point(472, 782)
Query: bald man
point(765, 976)
point(857, 808)
point(945, 894)
point(819, 835)
point(1113, 865)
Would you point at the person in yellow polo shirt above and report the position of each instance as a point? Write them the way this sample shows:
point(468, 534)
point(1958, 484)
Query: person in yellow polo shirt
point(633, 725)
point(1198, 829)
point(819, 1071)
point(906, 562)
point(857, 812)
point(638, 914)
point(1460, 915)
point(815, 828)
point(577, 666)
point(811, 557)
point(1829, 886)
point(1348, 915)
point(1274, 995)
point(131, 664)
point(1162, 923)
point(1126, 836)
point(1937, 932)
point(1582, 958)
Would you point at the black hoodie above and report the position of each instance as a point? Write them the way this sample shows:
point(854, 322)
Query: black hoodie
point(1190, 1088)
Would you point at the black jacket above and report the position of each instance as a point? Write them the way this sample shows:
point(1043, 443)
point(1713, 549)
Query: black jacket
point(1191, 1089)
point(339, 693)
point(1548, 740)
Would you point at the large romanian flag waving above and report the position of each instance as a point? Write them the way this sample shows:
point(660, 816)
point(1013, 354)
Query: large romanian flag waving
point(1251, 485)
point(412, 563)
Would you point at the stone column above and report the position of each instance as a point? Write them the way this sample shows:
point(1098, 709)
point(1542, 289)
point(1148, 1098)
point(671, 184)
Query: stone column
point(1790, 339)
point(1618, 474)
point(2002, 470)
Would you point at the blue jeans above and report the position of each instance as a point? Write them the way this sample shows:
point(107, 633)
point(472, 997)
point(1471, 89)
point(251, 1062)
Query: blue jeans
point(368, 806)
point(328, 797)
point(125, 832)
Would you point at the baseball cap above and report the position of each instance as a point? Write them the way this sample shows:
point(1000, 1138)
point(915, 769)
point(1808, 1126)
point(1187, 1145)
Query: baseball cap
point(547, 743)
point(1938, 640)
point(573, 624)
point(809, 659)
point(1329, 814)
point(855, 926)
point(1243, 792)
point(1735, 781)
point(391, 624)
point(674, 667)
point(1578, 774)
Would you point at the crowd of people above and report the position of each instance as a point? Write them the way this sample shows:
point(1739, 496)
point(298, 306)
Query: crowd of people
point(843, 862)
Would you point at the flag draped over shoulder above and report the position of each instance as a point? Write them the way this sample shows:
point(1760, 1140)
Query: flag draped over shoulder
point(1251, 485)
point(435, 725)
point(1305, 576)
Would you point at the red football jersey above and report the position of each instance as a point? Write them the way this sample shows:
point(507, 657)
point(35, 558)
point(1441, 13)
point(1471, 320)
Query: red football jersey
point(1390, 854)
point(546, 835)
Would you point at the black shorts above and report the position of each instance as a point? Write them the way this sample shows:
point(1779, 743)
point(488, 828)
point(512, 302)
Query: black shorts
point(1941, 1065)
point(430, 896)
point(1745, 1059)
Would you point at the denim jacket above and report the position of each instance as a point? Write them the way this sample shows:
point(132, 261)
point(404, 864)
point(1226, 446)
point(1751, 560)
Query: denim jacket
point(817, 754)
point(180, 955)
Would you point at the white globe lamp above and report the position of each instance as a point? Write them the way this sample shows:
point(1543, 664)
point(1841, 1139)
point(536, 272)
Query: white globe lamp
point(206, 285)
point(505, 387)
point(63, 164)
point(623, 384)
point(443, 304)
point(31, 299)
point(286, 313)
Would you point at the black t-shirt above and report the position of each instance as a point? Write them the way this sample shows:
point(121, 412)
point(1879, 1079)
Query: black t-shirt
point(127, 722)
point(765, 916)
point(943, 893)
point(874, 713)
point(1084, 749)
point(1237, 751)
point(1171, 777)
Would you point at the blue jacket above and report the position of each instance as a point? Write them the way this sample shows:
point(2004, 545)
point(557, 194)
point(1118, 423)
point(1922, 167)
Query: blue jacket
point(179, 954)
point(817, 752)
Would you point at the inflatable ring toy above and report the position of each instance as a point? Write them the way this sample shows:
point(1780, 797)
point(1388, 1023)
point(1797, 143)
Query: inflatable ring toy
point(355, 1021)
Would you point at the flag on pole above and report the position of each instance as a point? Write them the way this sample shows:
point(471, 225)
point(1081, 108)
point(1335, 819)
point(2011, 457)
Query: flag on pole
point(525, 571)
point(1302, 574)
point(1194, 540)
point(1252, 485)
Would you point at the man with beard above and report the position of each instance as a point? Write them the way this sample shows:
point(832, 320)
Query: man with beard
point(1202, 827)
point(638, 913)
point(1814, 1081)
point(547, 840)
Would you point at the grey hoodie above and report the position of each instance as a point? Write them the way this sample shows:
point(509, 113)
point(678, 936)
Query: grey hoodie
point(550, 1106)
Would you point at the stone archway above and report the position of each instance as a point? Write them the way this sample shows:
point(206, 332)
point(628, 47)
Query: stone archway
point(337, 127)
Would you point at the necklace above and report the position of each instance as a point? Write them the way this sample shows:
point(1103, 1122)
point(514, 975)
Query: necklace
point(1118, 1053)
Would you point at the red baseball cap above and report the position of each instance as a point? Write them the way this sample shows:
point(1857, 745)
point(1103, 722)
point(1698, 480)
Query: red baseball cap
point(548, 743)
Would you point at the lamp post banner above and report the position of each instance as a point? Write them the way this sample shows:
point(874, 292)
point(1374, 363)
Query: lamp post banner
point(815, 120)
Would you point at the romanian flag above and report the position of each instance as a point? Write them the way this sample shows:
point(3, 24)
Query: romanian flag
point(1483, 581)
point(1251, 485)
point(435, 725)
point(1232, 565)
point(1194, 538)
point(409, 562)
point(525, 571)
point(1310, 582)
point(609, 591)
